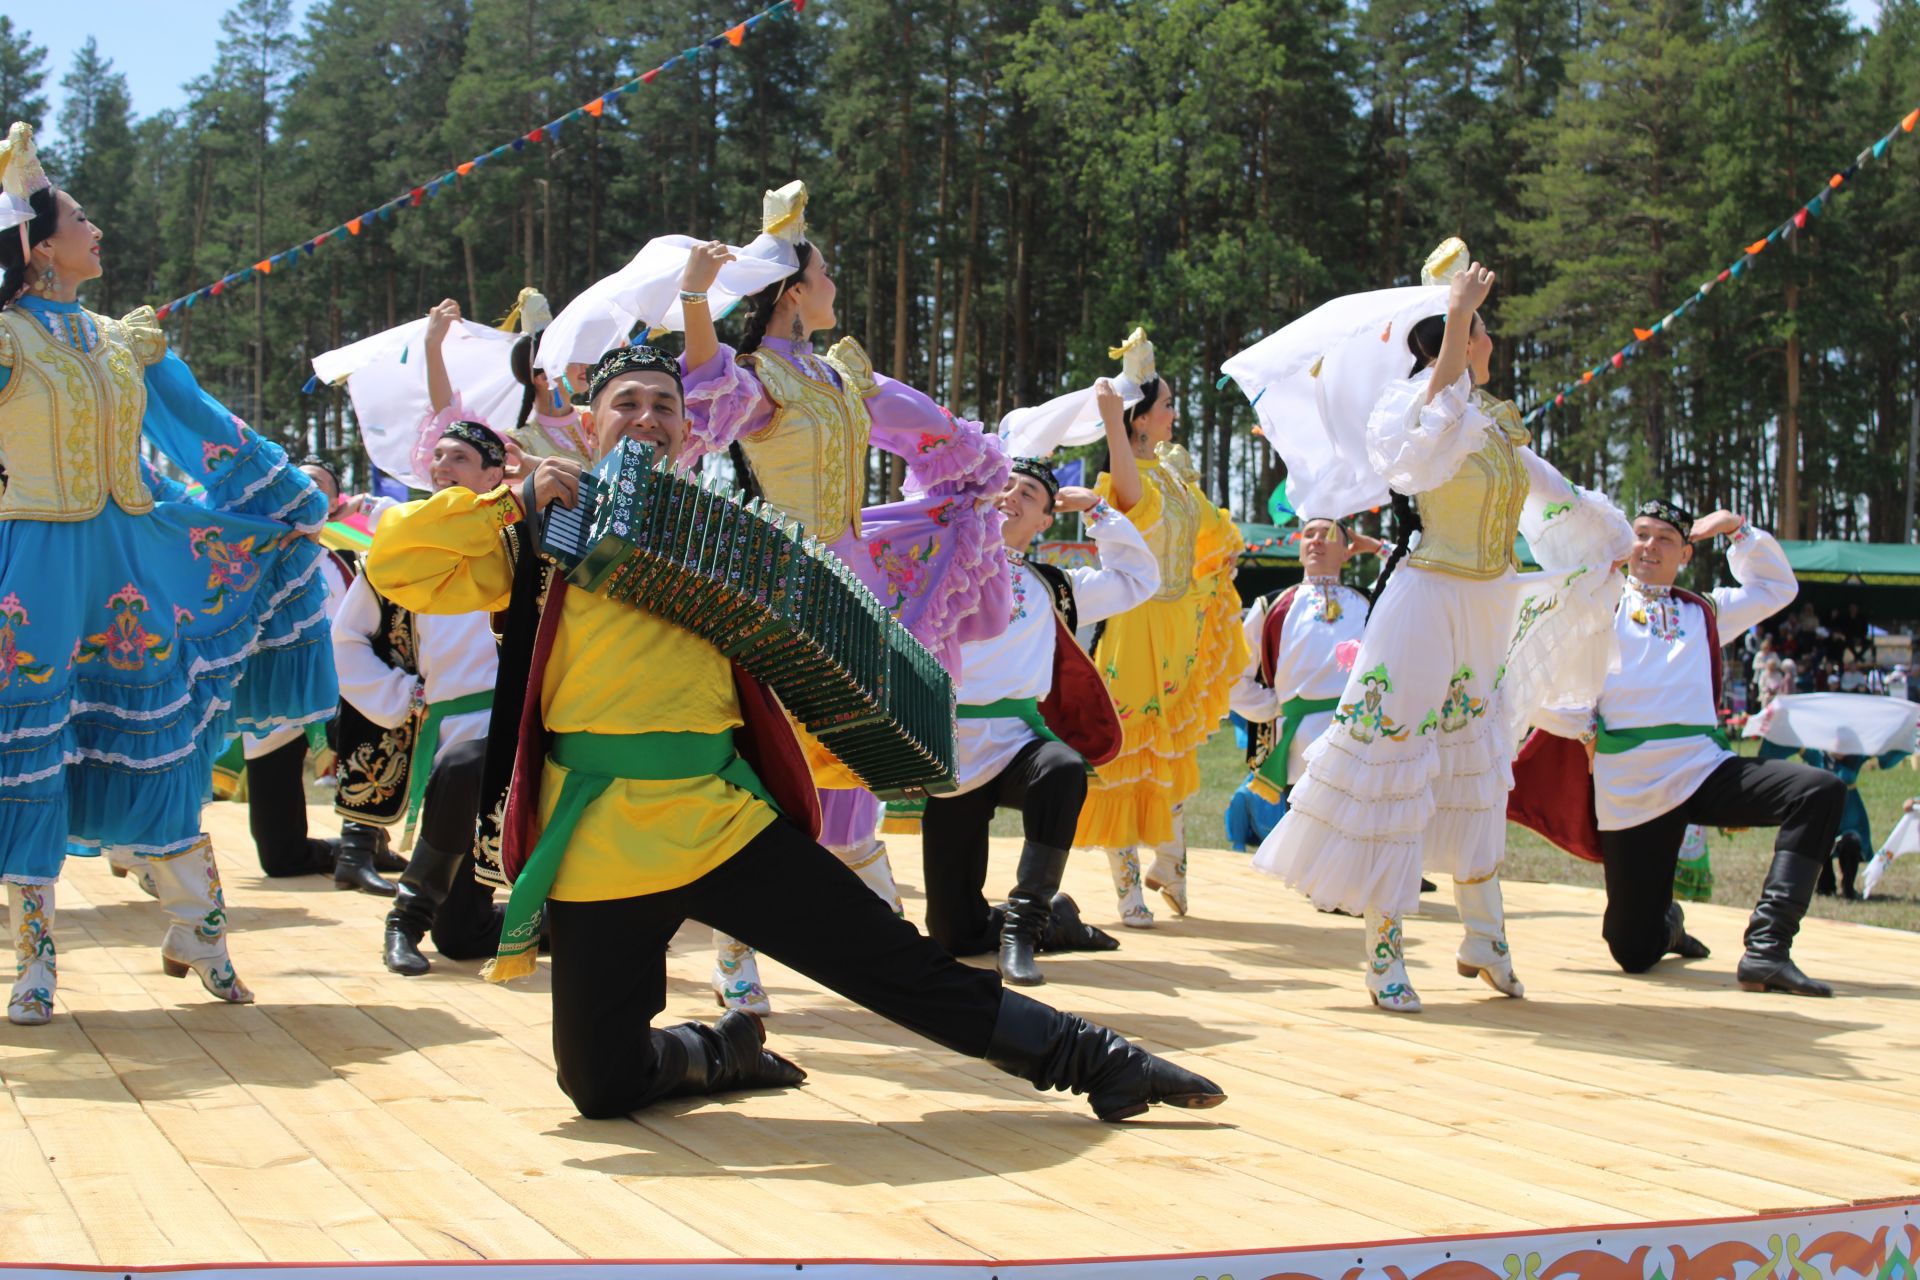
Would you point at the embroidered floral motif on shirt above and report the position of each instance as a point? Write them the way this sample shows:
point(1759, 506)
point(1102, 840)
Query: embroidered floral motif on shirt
point(230, 565)
point(127, 642)
point(215, 454)
point(1019, 580)
point(1658, 612)
point(908, 574)
point(1461, 707)
point(1367, 719)
point(12, 657)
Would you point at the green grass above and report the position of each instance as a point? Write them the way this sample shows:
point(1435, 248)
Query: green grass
point(1739, 860)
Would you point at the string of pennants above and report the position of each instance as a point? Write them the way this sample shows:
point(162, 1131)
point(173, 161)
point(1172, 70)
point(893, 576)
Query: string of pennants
point(416, 196)
point(1736, 269)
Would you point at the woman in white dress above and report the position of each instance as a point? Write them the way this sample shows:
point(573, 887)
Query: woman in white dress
point(1414, 771)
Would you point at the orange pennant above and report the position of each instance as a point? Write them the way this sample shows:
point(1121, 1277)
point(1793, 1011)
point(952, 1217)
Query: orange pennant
point(1913, 118)
point(353, 227)
point(464, 169)
point(1643, 335)
point(1587, 376)
point(595, 107)
point(736, 34)
point(1756, 246)
point(1835, 181)
point(264, 267)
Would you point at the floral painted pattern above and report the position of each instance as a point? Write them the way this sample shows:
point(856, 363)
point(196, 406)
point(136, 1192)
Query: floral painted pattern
point(34, 961)
point(230, 566)
point(13, 659)
point(1367, 719)
point(215, 454)
point(127, 643)
point(1461, 707)
point(908, 572)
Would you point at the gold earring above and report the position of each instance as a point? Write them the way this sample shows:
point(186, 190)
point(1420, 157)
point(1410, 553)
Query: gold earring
point(799, 330)
point(45, 282)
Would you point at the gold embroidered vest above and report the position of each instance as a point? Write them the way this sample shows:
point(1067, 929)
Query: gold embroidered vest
point(1173, 539)
point(70, 420)
point(1467, 525)
point(810, 461)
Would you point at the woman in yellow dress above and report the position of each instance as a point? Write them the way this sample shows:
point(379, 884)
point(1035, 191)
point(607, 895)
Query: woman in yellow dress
point(1169, 663)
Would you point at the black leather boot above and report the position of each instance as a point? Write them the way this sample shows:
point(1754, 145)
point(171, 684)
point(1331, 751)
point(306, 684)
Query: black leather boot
point(1066, 931)
point(353, 869)
point(729, 1056)
point(1768, 964)
point(423, 887)
point(1847, 852)
point(323, 855)
point(1029, 911)
point(1679, 941)
point(384, 857)
point(1054, 1050)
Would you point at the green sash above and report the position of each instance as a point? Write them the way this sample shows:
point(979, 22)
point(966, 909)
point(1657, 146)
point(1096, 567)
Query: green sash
point(592, 762)
point(1273, 770)
point(427, 745)
point(1611, 742)
point(1026, 710)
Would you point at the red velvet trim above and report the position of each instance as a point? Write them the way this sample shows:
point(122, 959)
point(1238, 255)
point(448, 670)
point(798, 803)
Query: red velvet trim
point(517, 829)
point(1078, 708)
point(1270, 633)
point(1552, 794)
point(767, 743)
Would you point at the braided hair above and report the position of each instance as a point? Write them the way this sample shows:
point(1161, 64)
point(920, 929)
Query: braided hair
point(521, 361)
point(14, 256)
point(1423, 343)
point(759, 315)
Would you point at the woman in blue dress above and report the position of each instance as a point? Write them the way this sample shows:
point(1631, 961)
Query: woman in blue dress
point(139, 629)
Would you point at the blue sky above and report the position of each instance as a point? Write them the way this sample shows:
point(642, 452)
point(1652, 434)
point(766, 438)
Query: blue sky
point(160, 46)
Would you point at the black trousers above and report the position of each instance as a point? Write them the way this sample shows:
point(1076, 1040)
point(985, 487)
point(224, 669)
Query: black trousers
point(782, 894)
point(1047, 782)
point(277, 810)
point(1805, 803)
point(466, 926)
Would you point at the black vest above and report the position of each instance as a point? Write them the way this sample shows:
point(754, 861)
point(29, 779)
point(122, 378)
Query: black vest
point(375, 763)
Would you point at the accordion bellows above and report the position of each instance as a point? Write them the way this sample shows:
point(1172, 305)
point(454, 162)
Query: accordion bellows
point(751, 581)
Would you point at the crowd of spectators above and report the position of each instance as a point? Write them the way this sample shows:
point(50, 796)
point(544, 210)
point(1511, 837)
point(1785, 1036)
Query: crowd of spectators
point(1804, 651)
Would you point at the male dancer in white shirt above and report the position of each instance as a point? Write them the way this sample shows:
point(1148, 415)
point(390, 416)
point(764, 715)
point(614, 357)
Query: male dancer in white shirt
point(1033, 714)
point(1660, 760)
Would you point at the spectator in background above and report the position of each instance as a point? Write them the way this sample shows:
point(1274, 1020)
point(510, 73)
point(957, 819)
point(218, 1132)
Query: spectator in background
point(1772, 678)
point(1897, 683)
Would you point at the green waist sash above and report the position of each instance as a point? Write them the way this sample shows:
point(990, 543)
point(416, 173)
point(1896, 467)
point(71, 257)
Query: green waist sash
point(1611, 742)
point(1273, 770)
point(592, 762)
point(427, 745)
point(1026, 710)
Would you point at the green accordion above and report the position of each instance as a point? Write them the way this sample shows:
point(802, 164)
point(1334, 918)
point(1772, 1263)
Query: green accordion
point(751, 582)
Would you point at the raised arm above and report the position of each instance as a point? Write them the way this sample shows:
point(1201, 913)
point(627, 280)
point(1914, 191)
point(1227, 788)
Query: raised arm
point(703, 268)
point(446, 554)
point(1128, 573)
point(1121, 464)
point(1468, 290)
point(1758, 564)
point(439, 321)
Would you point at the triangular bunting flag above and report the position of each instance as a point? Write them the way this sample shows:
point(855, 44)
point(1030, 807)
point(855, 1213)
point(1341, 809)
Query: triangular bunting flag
point(736, 34)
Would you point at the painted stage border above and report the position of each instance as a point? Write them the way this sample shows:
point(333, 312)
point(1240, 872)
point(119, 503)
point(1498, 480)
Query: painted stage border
point(1879, 1241)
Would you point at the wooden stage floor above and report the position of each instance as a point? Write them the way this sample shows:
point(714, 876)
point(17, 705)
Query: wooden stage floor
point(354, 1115)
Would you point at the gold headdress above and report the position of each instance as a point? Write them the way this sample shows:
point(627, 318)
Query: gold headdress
point(783, 213)
point(531, 313)
point(1136, 359)
point(1446, 262)
point(20, 177)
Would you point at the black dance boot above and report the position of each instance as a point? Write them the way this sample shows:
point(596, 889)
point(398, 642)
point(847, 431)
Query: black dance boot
point(353, 869)
point(1768, 964)
point(322, 855)
point(1029, 911)
point(1846, 851)
point(1679, 941)
point(729, 1056)
point(424, 886)
point(1066, 931)
point(384, 858)
point(1054, 1050)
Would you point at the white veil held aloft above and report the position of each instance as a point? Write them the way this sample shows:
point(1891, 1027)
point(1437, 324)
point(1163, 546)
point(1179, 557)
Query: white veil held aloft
point(1315, 382)
point(1073, 418)
point(386, 377)
point(645, 294)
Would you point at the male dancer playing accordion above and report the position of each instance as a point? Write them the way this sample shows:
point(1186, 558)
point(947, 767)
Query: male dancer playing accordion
point(1034, 714)
point(654, 781)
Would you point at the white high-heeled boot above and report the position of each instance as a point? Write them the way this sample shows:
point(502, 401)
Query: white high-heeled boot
point(1483, 952)
point(1168, 873)
point(1387, 981)
point(736, 976)
point(1125, 865)
point(868, 860)
point(30, 919)
point(127, 866)
point(189, 892)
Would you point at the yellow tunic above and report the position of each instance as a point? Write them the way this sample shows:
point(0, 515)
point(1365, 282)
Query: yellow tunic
point(614, 669)
point(1169, 663)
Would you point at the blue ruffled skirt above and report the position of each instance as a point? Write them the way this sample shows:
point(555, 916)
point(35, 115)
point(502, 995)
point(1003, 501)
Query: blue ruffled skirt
point(132, 647)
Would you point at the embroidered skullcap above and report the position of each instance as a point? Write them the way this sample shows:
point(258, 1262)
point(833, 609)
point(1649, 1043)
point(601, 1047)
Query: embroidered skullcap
point(1677, 516)
point(1038, 470)
point(633, 359)
point(491, 448)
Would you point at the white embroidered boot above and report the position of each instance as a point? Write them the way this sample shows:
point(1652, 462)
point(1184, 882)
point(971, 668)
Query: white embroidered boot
point(189, 892)
point(1125, 865)
point(30, 917)
point(1168, 873)
point(125, 865)
point(869, 862)
point(1387, 981)
point(1483, 952)
point(736, 976)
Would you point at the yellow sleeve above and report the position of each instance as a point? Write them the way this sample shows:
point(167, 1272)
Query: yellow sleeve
point(1219, 543)
point(1146, 512)
point(445, 554)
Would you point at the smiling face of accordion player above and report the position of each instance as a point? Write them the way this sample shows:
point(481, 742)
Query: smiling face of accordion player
point(643, 406)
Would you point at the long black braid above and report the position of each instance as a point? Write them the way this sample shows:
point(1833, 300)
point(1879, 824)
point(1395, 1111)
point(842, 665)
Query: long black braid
point(759, 315)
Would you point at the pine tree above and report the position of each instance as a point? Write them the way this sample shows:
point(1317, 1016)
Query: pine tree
point(22, 74)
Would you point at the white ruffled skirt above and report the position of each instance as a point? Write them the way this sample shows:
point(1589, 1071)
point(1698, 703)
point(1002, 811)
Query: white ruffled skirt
point(1413, 772)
